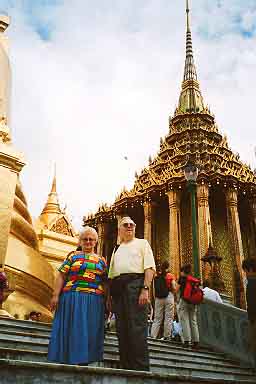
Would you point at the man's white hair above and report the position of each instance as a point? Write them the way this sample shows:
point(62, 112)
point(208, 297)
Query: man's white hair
point(90, 230)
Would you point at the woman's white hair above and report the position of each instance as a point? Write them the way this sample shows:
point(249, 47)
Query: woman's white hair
point(89, 229)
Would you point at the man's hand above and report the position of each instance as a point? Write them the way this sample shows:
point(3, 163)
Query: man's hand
point(109, 303)
point(144, 297)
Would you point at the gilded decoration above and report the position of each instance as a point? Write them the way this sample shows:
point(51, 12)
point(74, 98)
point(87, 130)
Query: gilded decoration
point(221, 239)
point(61, 226)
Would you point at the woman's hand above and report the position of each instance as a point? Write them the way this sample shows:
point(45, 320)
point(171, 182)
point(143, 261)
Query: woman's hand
point(144, 297)
point(54, 302)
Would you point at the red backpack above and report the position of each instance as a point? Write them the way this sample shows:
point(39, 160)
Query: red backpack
point(193, 294)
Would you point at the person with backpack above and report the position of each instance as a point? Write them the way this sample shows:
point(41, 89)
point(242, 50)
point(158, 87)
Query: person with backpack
point(164, 302)
point(190, 295)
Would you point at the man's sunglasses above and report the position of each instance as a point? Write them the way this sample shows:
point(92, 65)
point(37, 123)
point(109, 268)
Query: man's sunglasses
point(126, 225)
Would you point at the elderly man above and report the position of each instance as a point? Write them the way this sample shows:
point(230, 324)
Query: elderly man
point(131, 271)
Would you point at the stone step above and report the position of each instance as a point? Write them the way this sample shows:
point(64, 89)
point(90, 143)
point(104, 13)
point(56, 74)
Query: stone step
point(30, 334)
point(39, 342)
point(41, 373)
point(27, 342)
point(25, 323)
point(28, 329)
point(111, 359)
point(25, 328)
point(158, 350)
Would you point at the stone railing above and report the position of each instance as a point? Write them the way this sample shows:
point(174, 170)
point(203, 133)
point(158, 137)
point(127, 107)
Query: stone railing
point(225, 328)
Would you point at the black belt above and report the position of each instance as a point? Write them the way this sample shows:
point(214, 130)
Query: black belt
point(129, 275)
point(119, 283)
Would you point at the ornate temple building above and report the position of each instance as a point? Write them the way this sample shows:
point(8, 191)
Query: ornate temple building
point(28, 253)
point(159, 201)
point(56, 234)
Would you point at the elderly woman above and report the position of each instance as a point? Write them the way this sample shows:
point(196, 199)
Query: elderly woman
point(78, 326)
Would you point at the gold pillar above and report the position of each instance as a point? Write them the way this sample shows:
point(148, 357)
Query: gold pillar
point(148, 221)
point(174, 234)
point(204, 221)
point(101, 235)
point(252, 203)
point(236, 243)
point(118, 218)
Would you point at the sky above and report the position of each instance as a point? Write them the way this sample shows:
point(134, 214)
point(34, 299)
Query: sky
point(94, 83)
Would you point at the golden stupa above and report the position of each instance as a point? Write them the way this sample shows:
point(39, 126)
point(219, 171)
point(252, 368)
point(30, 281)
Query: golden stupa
point(159, 201)
point(29, 254)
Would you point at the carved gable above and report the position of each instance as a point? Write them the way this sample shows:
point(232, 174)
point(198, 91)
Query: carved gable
point(61, 226)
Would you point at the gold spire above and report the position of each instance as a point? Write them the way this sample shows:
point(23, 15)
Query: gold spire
point(54, 190)
point(52, 206)
point(191, 99)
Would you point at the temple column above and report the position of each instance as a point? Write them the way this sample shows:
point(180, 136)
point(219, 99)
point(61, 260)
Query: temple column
point(148, 221)
point(174, 235)
point(252, 203)
point(118, 218)
point(204, 221)
point(236, 244)
point(101, 235)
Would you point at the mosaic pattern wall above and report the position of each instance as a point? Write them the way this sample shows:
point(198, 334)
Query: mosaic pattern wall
point(246, 226)
point(186, 229)
point(162, 230)
point(221, 241)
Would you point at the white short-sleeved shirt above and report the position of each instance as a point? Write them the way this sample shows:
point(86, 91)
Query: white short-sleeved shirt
point(211, 294)
point(132, 257)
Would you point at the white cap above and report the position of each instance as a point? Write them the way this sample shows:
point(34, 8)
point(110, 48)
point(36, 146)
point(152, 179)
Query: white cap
point(126, 220)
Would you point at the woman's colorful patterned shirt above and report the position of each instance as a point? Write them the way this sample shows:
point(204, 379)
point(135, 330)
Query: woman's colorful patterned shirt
point(84, 273)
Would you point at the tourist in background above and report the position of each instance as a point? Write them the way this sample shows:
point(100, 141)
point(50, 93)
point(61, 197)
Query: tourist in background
point(78, 327)
point(187, 312)
point(32, 316)
point(131, 271)
point(249, 267)
point(177, 329)
point(150, 317)
point(165, 287)
point(210, 293)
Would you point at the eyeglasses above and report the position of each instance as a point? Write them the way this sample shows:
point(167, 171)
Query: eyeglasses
point(127, 225)
point(88, 239)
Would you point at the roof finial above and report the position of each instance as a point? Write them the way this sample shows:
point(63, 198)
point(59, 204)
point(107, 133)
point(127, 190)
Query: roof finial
point(190, 68)
point(52, 205)
point(54, 189)
point(187, 10)
point(191, 100)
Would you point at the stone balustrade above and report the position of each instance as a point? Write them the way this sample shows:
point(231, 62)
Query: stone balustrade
point(224, 328)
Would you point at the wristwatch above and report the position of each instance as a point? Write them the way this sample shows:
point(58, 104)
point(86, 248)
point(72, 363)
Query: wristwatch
point(145, 287)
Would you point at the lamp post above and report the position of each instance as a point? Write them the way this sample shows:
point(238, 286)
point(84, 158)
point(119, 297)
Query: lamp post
point(191, 173)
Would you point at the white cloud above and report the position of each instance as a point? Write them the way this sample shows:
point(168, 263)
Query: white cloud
point(105, 83)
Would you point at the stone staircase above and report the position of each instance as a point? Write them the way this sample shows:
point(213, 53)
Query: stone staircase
point(23, 359)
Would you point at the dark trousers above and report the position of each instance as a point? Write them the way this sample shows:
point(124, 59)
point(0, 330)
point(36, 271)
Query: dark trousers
point(131, 326)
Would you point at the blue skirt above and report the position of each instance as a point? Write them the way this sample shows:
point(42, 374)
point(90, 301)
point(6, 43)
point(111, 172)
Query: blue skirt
point(77, 335)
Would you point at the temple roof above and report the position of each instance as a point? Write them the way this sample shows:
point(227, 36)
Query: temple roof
point(193, 136)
